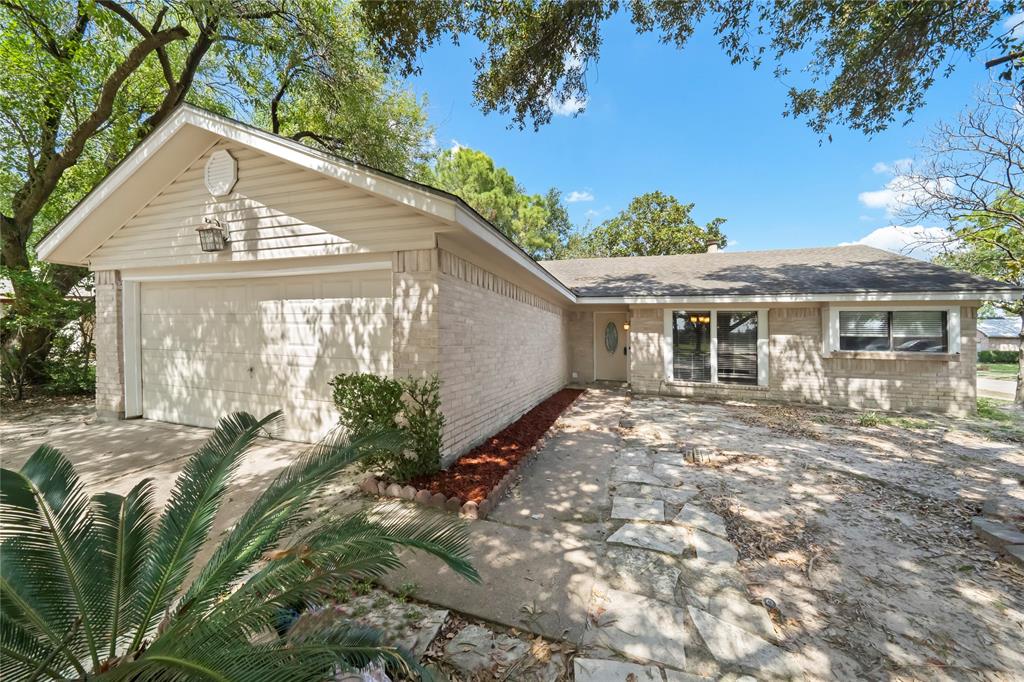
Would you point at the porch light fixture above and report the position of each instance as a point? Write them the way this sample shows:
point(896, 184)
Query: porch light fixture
point(625, 326)
point(211, 235)
point(702, 319)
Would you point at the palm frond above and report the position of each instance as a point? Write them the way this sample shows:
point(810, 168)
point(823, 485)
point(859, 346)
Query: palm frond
point(189, 514)
point(277, 511)
point(125, 527)
point(50, 549)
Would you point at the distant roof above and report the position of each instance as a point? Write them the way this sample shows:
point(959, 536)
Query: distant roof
point(830, 270)
point(1000, 326)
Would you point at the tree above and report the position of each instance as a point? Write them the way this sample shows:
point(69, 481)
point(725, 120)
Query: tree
point(95, 588)
point(970, 179)
point(82, 82)
point(991, 247)
point(654, 224)
point(533, 221)
point(861, 64)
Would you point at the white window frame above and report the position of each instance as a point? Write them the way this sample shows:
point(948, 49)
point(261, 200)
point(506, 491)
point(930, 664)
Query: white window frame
point(830, 335)
point(762, 345)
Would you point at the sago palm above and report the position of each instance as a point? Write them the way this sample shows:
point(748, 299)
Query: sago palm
point(96, 587)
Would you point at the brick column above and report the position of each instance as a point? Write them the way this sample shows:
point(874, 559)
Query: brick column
point(109, 341)
point(415, 348)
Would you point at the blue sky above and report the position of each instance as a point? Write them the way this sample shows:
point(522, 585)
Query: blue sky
point(690, 124)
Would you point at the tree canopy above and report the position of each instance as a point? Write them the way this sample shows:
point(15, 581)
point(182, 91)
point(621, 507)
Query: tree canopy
point(863, 65)
point(654, 224)
point(537, 222)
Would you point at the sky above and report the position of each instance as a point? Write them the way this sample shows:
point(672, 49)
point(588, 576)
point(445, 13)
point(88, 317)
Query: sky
point(689, 123)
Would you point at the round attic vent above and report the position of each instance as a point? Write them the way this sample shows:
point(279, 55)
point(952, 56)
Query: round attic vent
point(221, 173)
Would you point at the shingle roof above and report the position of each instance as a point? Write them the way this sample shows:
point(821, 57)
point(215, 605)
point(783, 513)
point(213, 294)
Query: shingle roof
point(1000, 326)
point(837, 269)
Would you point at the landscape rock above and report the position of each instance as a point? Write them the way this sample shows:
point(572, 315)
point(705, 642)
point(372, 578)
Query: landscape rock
point(648, 573)
point(699, 518)
point(637, 509)
point(996, 534)
point(714, 549)
point(475, 650)
point(638, 627)
point(700, 455)
point(599, 670)
point(668, 539)
point(1015, 553)
point(734, 646)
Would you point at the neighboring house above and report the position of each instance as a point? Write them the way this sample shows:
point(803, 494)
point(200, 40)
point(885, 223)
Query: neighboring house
point(333, 267)
point(999, 333)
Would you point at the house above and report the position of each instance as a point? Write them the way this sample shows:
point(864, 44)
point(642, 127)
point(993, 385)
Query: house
point(999, 333)
point(236, 269)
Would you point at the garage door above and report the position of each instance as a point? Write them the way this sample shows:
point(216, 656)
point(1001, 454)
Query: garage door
point(218, 346)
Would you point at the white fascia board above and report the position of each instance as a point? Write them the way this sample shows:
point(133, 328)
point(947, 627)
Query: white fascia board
point(481, 229)
point(144, 275)
point(867, 297)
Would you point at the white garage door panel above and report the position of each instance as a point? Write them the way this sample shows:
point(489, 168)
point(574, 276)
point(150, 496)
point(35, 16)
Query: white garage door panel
point(209, 348)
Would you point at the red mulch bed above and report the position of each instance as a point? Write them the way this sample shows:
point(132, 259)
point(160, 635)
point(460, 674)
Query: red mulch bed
point(475, 473)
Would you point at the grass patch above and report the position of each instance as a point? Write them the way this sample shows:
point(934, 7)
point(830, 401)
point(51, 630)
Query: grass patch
point(872, 419)
point(989, 409)
point(998, 370)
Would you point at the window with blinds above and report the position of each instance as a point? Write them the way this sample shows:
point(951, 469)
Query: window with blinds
point(691, 345)
point(915, 331)
point(737, 347)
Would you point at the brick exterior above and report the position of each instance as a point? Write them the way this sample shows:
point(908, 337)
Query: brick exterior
point(799, 371)
point(415, 341)
point(504, 349)
point(581, 346)
point(109, 346)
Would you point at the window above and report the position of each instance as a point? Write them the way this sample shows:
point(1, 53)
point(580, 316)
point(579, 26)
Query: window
point(717, 346)
point(691, 345)
point(737, 347)
point(914, 331)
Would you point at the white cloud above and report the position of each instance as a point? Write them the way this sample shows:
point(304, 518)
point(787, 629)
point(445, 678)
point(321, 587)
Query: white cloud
point(901, 192)
point(578, 195)
point(916, 240)
point(1015, 24)
point(595, 213)
point(892, 167)
point(456, 145)
point(569, 107)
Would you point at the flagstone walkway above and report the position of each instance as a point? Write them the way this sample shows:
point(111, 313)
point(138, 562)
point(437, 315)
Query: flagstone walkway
point(603, 543)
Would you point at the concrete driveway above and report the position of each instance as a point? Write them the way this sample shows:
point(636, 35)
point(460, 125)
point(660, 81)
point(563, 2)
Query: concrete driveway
point(1000, 389)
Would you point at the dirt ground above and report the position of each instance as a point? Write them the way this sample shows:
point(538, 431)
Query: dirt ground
point(859, 528)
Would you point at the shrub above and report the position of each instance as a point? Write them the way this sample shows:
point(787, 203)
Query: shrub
point(425, 423)
point(990, 409)
point(998, 356)
point(368, 403)
point(107, 586)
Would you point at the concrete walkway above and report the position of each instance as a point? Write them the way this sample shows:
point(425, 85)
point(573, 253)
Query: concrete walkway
point(601, 544)
point(1000, 389)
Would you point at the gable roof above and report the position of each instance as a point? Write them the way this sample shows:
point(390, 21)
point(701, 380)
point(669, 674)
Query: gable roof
point(801, 273)
point(1000, 327)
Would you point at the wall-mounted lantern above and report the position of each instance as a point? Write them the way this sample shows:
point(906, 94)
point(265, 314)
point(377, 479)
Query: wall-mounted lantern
point(625, 326)
point(211, 235)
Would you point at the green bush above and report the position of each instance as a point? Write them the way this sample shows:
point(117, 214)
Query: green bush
point(998, 356)
point(368, 403)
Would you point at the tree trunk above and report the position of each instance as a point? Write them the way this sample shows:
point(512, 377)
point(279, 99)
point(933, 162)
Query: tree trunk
point(1019, 397)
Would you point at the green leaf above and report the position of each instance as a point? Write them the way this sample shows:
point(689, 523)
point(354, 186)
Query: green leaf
point(189, 515)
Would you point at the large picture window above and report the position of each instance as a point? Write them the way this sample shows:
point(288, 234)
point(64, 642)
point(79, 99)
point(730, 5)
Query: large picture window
point(717, 346)
point(908, 331)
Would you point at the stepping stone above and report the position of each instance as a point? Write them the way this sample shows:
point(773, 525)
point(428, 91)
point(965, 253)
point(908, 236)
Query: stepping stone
point(642, 572)
point(639, 627)
point(672, 540)
point(671, 475)
point(714, 549)
point(996, 534)
point(731, 645)
point(677, 459)
point(637, 509)
point(599, 670)
point(731, 605)
point(704, 578)
point(676, 496)
point(1015, 553)
point(676, 676)
point(633, 474)
point(699, 518)
point(476, 649)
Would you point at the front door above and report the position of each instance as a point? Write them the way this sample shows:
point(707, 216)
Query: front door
point(611, 345)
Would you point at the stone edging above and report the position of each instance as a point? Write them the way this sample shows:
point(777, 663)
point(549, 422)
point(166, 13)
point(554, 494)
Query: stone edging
point(468, 510)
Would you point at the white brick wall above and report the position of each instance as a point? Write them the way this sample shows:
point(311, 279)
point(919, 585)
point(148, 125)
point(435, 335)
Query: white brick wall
point(109, 348)
point(799, 371)
point(503, 350)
